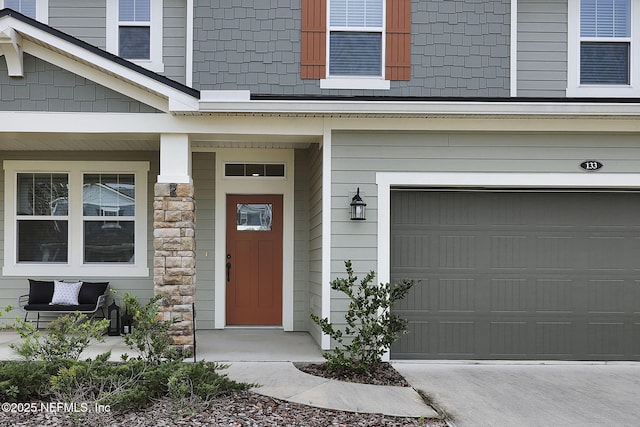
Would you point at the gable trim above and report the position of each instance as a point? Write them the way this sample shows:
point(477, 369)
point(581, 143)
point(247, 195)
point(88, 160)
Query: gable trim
point(68, 52)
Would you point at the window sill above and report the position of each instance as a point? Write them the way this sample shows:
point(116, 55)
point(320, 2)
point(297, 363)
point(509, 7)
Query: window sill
point(58, 271)
point(156, 67)
point(603, 91)
point(355, 83)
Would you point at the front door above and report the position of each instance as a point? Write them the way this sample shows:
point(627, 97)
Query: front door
point(254, 260)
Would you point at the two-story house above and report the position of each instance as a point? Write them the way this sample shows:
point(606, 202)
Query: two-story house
point(209, 151)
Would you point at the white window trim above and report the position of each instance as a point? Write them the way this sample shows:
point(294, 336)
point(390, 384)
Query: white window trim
point(154, 63)
point(42, 10)
point(356, 82)
point(75, 266)
point(574, 88)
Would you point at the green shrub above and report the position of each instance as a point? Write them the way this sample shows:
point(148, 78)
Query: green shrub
point(136, 383)
point(370, 328)
point(149, 336)
point(201, 380)
point(24, 381)
point(67, 337)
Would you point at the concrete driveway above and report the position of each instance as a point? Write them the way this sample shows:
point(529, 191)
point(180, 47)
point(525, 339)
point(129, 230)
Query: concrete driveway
point(523, 395)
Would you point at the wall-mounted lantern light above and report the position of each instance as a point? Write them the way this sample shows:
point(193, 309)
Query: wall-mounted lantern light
point(358, 207)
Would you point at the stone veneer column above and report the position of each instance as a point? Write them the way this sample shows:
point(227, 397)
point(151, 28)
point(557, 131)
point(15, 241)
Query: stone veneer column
point(174, 259)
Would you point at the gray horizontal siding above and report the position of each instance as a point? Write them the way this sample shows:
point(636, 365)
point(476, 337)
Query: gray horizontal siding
point(357, 156)
point(542, 48)
point(46, 87)
point(174, 39)
point(315, 238)
point(204, 185)
point(85, 20)
point(458, 49)
point(301, 242)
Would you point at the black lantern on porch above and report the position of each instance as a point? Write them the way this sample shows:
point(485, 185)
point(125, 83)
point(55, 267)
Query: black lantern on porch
point(127, 323)
point(358, 207)
point(114, 319)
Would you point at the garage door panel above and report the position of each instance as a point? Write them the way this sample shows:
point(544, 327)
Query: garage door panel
point(555, 296)
point(509, 340)
point(510, 295)
point(555, 252)
point(554, 340)
point(457, 338)
point(519, 275)
point(607, 296)
point(606, 340)
point(457, 252)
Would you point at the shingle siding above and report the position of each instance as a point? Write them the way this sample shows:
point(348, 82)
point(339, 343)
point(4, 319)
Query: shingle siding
point(458, 49)
point(47, 87)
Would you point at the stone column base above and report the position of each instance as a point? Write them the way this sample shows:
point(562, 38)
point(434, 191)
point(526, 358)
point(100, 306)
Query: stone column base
point(174, 260)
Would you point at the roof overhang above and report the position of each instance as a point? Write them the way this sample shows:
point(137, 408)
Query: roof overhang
point(242, 103)
point(20, 34)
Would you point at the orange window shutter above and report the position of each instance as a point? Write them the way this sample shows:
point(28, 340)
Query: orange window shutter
point(398, 49)
point(313, 46)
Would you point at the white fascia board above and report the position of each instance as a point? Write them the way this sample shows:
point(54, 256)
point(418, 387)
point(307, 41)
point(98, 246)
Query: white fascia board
point(80, 122)
point(121, 72)
point(435, 108)
point(89, 122)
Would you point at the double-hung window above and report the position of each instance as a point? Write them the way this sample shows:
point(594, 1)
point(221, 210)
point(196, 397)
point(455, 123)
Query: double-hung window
point(601, 58)
point(36, 9)
point(355, 38)
point(75, 218)
point(134, 31)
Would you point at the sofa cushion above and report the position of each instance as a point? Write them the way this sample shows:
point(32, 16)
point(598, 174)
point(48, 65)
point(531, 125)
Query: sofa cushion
point(65, 293)
point(83, 308)
point(90, 291)
point(40, 291)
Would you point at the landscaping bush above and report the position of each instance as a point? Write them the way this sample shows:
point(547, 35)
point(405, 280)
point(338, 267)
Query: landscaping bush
point(149, 336)
point(53, 371)
point(25, 381)
point(370, 328)
point(68, 336)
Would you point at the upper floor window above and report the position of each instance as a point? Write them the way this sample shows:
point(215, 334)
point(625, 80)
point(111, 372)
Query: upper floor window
point(75, 218)
point(601, 59)
point(356, 44)
point(134, 31)
point(355, 38)
point(36, 9)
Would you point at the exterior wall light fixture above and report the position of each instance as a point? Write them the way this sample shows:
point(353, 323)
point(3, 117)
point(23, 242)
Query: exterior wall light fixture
point(358, 207)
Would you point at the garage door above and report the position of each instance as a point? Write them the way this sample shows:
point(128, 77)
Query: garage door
point(518, 275)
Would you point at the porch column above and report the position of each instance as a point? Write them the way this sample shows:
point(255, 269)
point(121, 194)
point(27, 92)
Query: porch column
point(174, 272)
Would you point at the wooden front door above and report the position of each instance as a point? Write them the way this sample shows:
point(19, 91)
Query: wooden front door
point(254, 260)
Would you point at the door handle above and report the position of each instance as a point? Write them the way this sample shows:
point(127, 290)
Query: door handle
point(228, 268)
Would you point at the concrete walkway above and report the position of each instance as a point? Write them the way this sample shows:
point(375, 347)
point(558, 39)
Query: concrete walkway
point(284, 381)
point(266, 357)
point(531, 395)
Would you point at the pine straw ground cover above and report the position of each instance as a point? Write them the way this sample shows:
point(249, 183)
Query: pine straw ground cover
point(237, 409)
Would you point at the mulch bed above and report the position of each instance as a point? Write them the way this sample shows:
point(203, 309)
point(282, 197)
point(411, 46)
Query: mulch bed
point(238, 409)
point(381, 374)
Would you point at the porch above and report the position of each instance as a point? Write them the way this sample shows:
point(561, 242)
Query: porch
point(223, 345)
